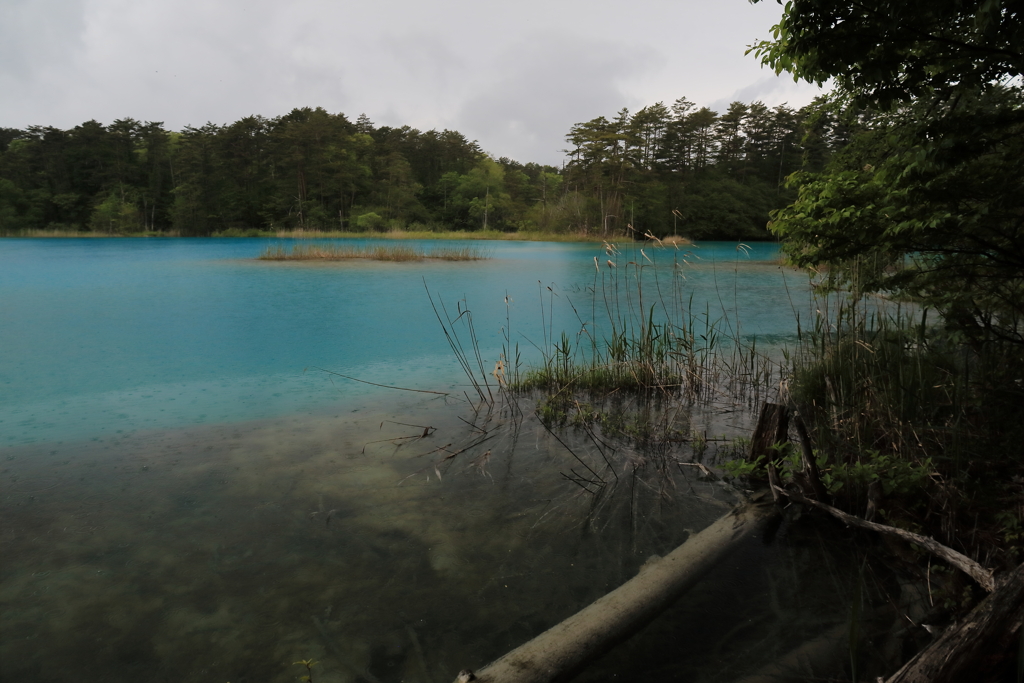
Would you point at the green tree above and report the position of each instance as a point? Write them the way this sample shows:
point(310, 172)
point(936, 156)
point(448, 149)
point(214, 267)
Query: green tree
point(25, 197)
point(154, 155)
point(547, 212)
point(309, 150)
point(941, 225)
point(199, 182)
point(118, 213)
point(248, 165)
point(888, 51)
point(678, 141)
point(729, 137)
point(13, 207)
point(481, 199)
point(647, 130)
point(598, 165)
point(702, 125)
point(928, 199)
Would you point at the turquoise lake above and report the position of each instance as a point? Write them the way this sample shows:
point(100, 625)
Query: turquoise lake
point(109, 336)
point(187, 495)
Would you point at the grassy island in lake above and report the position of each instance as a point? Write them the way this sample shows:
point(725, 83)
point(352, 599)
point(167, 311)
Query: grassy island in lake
point(334, 252)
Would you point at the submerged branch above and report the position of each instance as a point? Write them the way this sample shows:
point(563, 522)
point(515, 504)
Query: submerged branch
point(977, 647)
point(983, 576)
point(385, 386)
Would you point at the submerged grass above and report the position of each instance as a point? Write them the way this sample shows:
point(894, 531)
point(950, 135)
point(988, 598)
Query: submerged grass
point(909, 424)
point(335, 252)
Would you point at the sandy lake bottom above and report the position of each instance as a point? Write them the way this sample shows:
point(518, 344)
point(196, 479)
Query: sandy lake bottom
point(227, 552)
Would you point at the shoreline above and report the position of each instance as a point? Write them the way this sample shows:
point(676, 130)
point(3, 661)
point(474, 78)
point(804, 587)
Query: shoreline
point(488, 235)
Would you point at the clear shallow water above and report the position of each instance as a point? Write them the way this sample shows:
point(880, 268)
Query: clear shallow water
point(180, 502)
point(224, 553)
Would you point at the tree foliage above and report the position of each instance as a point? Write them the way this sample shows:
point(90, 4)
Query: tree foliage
point(885, 51)
point(308, 169)
point(680, 169)
point(943, 226)
point(660, 170)
point(927, 199)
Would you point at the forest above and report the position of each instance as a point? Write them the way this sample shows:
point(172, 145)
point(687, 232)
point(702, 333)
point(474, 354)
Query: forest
point(662, 170)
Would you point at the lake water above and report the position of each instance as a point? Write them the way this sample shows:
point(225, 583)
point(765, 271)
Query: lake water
point(109, 336)
point(187, 496)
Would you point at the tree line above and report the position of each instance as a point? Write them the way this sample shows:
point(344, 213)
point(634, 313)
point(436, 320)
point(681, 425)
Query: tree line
point(662, 170)
point(686, 170)
point(308, 169)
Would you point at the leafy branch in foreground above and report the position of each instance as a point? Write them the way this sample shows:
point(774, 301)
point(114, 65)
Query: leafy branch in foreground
point(928, 209)
point(926, 205)
point(885, 51)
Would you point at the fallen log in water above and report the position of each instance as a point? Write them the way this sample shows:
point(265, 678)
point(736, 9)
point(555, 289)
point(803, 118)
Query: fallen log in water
point(824, 653)
point(980, 646)
point(975, 648)
point(564, 650)
point(818, 658)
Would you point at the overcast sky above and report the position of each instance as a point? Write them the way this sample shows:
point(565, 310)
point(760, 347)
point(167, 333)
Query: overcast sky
point(513, 75)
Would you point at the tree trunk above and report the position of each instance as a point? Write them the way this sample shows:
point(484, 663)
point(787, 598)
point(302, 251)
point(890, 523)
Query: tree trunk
point(564, 650)
point(981, 647)
point(813, 487)
point(772, 428)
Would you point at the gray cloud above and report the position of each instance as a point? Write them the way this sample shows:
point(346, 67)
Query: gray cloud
point(37, 35)
point(38, 39)
point(772, 91)
point(514, 76)
point(536, 90)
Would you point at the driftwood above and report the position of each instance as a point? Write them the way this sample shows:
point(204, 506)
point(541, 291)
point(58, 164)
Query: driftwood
point(965, 564)
point(811, 477)
point(980, 646)
point(772, 429)
point(564, 650)
point(815, 659)
point(825, 653)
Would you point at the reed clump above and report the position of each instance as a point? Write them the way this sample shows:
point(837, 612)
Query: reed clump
point(906, 419)
point(644, 356)
point(912, 422)
point(390, 252)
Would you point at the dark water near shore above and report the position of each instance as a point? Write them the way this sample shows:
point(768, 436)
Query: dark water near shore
point(180, 502)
